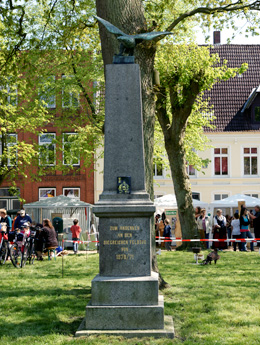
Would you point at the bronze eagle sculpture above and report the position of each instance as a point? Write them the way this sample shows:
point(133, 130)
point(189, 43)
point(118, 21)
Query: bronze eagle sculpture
point(129, 42)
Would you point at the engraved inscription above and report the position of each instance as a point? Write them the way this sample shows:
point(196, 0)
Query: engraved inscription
point(125, 235)
point(129, 228)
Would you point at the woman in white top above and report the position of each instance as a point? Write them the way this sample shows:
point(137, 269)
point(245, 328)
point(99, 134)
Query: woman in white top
point(235, 228)
point(220, 230)
point(204, 226)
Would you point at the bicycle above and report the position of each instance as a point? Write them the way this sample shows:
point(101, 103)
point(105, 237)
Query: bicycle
point(31, 255)
point(19, 250)
point(3, 246)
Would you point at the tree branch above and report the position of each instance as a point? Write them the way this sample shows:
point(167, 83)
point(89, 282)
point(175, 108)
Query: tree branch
point(239, 5)
point(47, 21)
point(161, 111)
point(18, 7)
point(19, 32)
point(93, 118)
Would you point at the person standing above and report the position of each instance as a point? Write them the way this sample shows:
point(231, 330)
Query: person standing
point(235, 228)
point(161, 227)
point(21, 219)
point(167, 234)
point(204, 226)
point(17, 214)
point(228, 219)
point(6, 219)
point(197, 212)
point(220, 230)
point(76, 230)
point(244, 228)
point(156, 223)
point(256, 223)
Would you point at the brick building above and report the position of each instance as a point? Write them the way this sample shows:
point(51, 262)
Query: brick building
point(54, 147)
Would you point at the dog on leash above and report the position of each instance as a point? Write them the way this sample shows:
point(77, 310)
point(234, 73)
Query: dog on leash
point(212, 256)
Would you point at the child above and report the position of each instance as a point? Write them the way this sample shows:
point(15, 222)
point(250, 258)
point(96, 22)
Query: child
point(167, 234)
point(76, 230)
point(236, 234)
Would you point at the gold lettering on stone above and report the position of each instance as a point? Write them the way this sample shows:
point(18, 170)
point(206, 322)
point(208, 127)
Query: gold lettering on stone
point(124, 256)
point(128, 235)
point(129, 228)
point(121, 257)
point(113, 228)
point(116, 242)
point(137, 242)
point(124, 240)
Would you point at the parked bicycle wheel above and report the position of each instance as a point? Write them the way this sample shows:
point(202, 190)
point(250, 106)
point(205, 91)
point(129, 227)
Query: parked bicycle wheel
point(3, 252)
point(17, 256)
point(26, 251)
point(32, 254)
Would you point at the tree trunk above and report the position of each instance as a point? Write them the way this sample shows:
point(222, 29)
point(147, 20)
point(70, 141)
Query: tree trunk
point(174, 133)
point(128, 16)
point(176, 155)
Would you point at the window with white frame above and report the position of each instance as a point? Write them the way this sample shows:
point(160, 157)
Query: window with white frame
point(47, 149)
point(257, 114)
point(47, 92)
point(221, 161)
point(190, 170)
point(9, 198)
point(71, 192)
point(254, 195)
point(220, 196)
point(46, 193)
point(70, 151)
point(9, 93)
point(70, 94)
point(195, 195)
point(9, 142)
point(12, 97)
point(157, 169)
point(250, 160)
point(9, 192)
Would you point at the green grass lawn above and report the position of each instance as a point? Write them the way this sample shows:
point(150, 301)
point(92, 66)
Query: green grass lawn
point(214, 304)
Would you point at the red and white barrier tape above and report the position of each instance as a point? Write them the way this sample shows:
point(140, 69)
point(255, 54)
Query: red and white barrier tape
point(169, 239)
point(80, 242)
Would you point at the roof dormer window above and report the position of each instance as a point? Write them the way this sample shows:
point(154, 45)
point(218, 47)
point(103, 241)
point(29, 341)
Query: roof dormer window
point(257, 114)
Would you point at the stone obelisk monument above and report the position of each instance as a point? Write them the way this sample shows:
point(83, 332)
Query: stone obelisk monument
point(125, 299)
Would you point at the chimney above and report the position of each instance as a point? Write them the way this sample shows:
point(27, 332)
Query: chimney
point(216, 37)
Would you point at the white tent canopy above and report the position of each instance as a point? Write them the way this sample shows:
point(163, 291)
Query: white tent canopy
point(169, 201)
point(68, 207)
point(232, 201)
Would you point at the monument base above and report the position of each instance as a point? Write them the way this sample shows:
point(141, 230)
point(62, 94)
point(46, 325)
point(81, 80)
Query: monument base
point(166, 332)
point(118, 291)
point(125, 317)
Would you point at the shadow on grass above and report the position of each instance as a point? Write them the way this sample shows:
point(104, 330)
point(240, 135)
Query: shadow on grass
point(42, 312)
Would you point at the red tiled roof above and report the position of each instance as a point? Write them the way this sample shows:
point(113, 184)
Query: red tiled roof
point(230, 96)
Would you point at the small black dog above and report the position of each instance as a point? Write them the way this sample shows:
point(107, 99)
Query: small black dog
point(212, 256)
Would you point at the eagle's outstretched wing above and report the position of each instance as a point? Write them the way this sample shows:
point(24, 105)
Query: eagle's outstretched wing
point(151, 35)
point(110, 27)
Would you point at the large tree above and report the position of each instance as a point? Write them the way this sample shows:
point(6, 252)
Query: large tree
point(191, 71)
point(33, 75)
